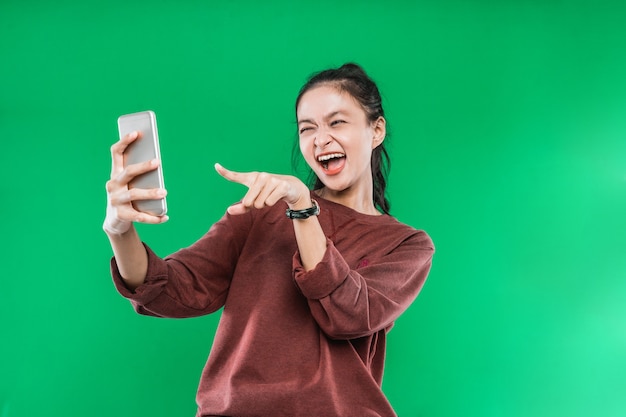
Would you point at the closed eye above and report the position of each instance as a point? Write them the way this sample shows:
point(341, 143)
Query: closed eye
point(304, 129)
point(336, 122)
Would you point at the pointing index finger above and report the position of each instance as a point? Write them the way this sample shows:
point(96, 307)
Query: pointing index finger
point(238, 177)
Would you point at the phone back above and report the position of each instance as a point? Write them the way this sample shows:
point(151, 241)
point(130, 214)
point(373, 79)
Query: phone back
point(143, 149)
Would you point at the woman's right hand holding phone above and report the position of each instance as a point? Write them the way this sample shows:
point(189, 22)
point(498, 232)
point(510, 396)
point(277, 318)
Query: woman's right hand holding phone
point(120, 213)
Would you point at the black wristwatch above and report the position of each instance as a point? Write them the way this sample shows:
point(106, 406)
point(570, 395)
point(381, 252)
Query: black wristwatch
point(304, 214)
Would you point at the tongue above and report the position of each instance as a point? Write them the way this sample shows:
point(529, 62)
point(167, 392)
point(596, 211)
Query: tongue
point(335, 163)
point(334, 166)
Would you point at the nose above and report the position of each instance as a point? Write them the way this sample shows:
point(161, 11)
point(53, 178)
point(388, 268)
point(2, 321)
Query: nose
point(323, 139)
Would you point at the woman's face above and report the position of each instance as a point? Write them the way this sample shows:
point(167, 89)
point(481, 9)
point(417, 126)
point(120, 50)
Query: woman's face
point(336, 139)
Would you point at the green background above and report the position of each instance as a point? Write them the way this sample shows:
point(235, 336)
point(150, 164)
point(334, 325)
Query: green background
point(508, 143)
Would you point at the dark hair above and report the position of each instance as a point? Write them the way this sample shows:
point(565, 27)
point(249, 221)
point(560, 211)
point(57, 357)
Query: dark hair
point(352, 79)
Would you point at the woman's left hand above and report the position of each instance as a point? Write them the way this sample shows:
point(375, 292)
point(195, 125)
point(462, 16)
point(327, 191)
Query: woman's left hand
point(266, 189)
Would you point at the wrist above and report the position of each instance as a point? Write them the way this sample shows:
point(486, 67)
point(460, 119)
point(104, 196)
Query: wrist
point(301, 204)
point(118, 230)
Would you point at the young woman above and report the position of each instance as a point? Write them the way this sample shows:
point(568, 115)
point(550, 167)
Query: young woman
point(310, 281)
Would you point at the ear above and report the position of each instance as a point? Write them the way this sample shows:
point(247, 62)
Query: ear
point(379, 128)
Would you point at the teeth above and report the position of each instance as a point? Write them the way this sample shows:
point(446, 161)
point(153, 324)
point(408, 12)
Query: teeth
point(323, 158)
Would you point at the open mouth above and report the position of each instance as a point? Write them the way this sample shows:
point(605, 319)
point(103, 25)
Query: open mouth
point(332, 163)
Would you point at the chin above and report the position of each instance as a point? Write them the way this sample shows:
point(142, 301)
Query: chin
point(335, 186)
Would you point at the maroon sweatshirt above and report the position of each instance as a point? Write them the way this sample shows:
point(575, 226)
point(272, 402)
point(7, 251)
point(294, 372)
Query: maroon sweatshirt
point(290, 342)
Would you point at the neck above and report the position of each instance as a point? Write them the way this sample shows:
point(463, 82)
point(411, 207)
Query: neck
point(357, 201)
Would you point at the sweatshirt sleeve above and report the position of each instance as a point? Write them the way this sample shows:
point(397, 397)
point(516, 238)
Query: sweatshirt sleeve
point(191, 282)
point(348, 303)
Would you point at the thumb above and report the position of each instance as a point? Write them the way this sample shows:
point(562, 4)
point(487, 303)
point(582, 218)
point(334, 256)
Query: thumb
point(237, 209)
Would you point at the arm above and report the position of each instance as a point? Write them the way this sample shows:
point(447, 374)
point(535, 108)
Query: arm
point(191, 282)
point(349, 303)
point(131, 257)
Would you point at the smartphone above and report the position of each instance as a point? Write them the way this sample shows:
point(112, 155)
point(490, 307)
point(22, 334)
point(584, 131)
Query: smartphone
point(144, 148)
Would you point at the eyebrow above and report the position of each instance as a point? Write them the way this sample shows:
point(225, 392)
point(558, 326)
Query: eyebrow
point(328, 116)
